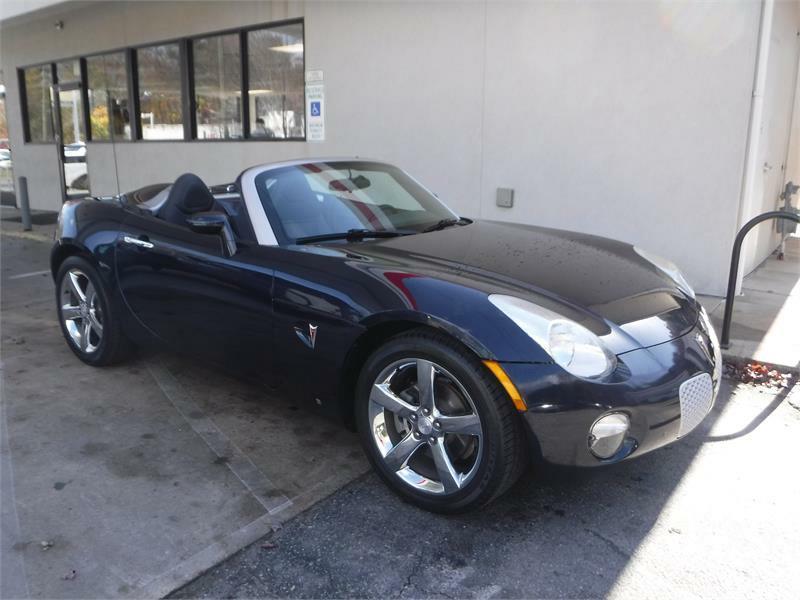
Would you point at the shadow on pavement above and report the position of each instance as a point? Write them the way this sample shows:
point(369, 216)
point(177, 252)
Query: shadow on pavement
point(119, 468)
point(782, 394)
point(667, 524)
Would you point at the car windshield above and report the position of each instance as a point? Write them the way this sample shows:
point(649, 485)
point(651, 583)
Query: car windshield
point(318, 199)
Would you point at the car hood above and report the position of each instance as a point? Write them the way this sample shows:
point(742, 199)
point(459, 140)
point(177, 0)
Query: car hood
point(601, 283)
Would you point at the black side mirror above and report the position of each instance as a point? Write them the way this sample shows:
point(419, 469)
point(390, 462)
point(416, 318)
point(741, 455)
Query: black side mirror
point(214, 223)
point(207, 222)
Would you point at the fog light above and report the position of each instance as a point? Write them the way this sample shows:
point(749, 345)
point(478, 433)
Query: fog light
point(607, 434)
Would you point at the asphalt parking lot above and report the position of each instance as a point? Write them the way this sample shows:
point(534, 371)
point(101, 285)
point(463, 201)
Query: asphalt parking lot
point(133, 481)
point(714, 516)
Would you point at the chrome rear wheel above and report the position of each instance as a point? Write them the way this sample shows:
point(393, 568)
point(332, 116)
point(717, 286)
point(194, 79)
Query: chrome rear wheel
point(425, 426)
point(81, 311)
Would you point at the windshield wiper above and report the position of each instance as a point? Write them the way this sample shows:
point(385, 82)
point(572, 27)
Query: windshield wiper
point(350, 235)
point(446, 223)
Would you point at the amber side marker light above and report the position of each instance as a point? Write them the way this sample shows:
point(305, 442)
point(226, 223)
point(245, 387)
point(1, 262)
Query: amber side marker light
point(509, 387)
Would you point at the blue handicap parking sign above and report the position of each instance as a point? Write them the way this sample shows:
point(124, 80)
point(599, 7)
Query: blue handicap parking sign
point(316, 109)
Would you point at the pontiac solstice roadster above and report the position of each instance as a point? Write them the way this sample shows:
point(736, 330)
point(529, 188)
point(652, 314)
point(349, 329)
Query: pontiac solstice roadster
point(459, 349)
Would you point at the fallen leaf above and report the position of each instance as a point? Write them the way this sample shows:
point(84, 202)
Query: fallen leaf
point(758, 374)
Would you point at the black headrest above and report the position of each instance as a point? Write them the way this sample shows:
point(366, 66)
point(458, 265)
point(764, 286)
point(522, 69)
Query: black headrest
point(188, 195)
point(191, 194)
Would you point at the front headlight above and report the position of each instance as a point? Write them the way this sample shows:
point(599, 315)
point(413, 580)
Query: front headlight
point(668, 268)
point(573, 347)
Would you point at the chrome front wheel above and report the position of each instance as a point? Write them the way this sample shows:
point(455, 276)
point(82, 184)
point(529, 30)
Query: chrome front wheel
point(81, 311)
point(436, 424)
point(425, 426)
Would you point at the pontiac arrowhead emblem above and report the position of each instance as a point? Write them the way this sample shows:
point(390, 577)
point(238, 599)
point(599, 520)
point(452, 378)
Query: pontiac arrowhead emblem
point(310, 338)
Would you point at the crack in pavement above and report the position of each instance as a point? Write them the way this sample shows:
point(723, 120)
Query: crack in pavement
point(609, 542)
point(417, 564)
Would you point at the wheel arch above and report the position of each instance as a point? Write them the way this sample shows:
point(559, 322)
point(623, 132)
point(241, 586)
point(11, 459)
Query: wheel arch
point(380, 329)
point(63, 250)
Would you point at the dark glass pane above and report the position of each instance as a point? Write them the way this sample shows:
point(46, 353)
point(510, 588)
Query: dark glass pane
point(108, 95)
point(71, 118)
point(76, 175)
point(218, 87)
point(68, 70)
point(276, 93)
point(323, 198)
point(40, 110)
point(3, 124)
point(160, 92)
point(6, 165)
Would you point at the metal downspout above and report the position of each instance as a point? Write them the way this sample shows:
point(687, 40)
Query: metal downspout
point(750, 174)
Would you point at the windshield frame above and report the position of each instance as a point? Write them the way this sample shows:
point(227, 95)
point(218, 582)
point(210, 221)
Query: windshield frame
point(265, 220)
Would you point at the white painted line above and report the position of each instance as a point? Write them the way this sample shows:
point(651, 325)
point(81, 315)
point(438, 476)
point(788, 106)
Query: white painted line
point(31, 274)
point(184, 572)
point(237, 461)
point(14, 583)
point(26, 235)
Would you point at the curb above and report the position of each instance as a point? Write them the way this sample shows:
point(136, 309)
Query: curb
point(741, 360)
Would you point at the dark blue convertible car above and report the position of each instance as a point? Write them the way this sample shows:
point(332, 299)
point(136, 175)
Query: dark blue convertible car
point(459, 349)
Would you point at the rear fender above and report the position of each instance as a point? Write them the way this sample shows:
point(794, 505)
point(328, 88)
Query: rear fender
point(88, 228)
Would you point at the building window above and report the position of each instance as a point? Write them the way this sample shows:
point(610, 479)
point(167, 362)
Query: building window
point(109, 113)
point(68, 71)
point(39, 110)
point(161, 112)
point(203, 88)
point(276, 92)
point(218, 87)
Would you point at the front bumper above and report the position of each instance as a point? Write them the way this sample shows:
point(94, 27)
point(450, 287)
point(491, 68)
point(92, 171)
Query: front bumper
point(646, 386)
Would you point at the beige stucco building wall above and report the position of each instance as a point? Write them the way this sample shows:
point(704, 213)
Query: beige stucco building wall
point(624, 119)
point(773, 137)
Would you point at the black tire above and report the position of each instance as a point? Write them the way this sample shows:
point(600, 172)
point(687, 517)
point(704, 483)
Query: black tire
point(110, 347)
point(502, 449)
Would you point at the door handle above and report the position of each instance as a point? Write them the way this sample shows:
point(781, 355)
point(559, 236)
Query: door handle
point(137, 242)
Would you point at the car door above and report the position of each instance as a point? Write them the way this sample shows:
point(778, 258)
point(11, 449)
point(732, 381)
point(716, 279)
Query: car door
point(184, 288)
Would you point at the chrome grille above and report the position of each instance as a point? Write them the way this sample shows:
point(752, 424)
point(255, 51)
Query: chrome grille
point(697, 398)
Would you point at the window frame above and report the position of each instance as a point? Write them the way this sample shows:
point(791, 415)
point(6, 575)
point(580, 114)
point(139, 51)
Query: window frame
point(243, 79)
point(245, 87)
point(182, 59)
point(23, 97)
point(85, 87)
point(188, 98)
point(244, 69)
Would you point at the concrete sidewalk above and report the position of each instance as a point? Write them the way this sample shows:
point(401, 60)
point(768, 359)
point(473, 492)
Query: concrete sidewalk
point(137, 478)
point(766, 317)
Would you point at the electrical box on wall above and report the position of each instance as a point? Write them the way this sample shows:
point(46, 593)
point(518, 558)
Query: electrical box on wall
point(505, 197)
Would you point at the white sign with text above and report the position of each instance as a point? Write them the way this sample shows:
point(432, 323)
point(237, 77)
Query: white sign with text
point(315, 110)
